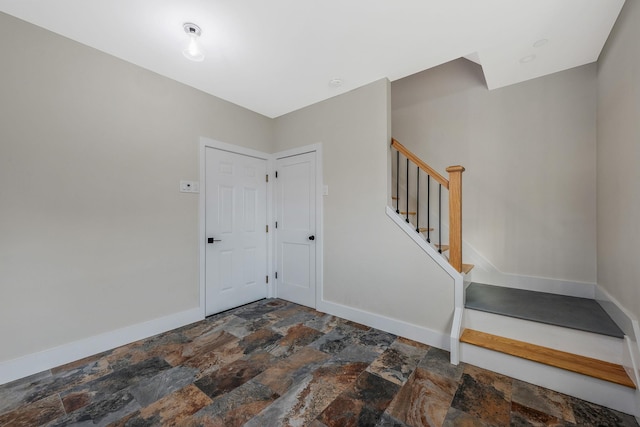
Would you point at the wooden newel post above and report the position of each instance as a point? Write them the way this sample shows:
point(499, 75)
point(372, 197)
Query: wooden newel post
point(455, 216)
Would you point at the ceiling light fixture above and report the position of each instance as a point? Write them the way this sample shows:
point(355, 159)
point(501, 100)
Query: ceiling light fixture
point(540, 43)
point(527, 58)
point(193, 51)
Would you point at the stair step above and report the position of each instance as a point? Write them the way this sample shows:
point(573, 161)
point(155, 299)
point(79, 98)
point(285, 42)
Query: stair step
point(596, 346)
point(443, 248)
point(466, 268)
point(405, 213)
point(424, 229)
point(394, 198)
point(571, 362)
point(561, 310)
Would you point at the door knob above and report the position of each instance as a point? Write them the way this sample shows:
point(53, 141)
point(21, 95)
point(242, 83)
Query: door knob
point(312, 237)
point(211, 240)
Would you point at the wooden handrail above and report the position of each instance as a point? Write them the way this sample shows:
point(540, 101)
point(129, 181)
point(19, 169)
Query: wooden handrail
point(454, 185)
point(422, 165)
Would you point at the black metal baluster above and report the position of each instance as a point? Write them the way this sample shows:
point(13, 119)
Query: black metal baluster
point(407, 219)
point(440, 218)
point(397, 182)
point(428, 208)
point(418, 200)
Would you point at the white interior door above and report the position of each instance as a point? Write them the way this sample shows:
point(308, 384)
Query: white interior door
point(296, 229)
point(235, 225)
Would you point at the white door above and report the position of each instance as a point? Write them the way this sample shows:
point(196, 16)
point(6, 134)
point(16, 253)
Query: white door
point(235, 224)
point(296, 228)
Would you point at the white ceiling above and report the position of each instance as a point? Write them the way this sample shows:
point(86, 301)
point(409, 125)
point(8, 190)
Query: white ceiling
point(276, 56)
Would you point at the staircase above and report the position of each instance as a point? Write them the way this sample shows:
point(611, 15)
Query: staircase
point(563, 343)
point(416, 187)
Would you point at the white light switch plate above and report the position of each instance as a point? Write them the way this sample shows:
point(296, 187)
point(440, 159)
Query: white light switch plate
point(189, 187)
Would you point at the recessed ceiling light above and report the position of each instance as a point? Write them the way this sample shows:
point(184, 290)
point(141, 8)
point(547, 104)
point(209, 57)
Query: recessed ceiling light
point(540, 43)
point(335, 82)
point(527, 58)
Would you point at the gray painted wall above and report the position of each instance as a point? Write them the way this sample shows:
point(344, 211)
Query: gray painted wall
point(529, 152)
point(618, 160)
point(369, 263)
point(94, 234)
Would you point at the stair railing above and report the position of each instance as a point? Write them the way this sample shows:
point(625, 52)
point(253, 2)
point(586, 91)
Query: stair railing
point(453, 184)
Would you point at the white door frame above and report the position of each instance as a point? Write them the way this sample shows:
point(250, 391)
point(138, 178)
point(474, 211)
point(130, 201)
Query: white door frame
point(211, 143)
point(319, 243)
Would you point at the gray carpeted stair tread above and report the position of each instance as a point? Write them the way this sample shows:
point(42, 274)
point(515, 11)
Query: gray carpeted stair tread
point(570, 312)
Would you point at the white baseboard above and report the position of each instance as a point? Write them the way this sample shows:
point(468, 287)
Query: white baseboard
point(629, 325)
point(533, 283)
point(485, 272)
point(623, 317)
point(387, 324)
point(30, 364)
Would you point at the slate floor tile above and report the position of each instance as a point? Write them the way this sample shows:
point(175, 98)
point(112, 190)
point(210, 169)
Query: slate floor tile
point(37, 413)
point(234, 374)
point(424, 399)
point(523, 416)
point(589, 414)
point(107, 385)
point(482, 400)
point(361, 404)
point(397, 362)
point(273, 363)
point(542, 400)
point(172, 410)
point(236, 407)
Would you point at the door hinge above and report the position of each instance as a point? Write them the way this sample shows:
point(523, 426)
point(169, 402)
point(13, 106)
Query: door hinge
point(276, 224)
point(267, 279)
point(266, 177)
point(276, 174)
point(267, 228)
point(276, 274)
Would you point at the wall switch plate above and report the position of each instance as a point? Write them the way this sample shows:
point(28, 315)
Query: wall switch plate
point(189, 187)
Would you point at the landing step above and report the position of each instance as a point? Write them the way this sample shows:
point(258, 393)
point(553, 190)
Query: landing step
point(561, 310)
point(571, 362)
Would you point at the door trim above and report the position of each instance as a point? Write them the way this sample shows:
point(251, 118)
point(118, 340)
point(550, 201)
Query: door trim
point(219, 145)
point(317, 148)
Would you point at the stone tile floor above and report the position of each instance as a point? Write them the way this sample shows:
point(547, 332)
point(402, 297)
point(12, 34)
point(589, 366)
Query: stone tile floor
point(275, 363)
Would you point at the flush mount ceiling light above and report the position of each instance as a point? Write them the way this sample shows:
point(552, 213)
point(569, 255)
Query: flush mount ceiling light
point(527, 58)
point(193, 51)
point(540, 43)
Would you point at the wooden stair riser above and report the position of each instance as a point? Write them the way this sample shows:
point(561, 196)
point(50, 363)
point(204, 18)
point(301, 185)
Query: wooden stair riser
point(574, 341)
